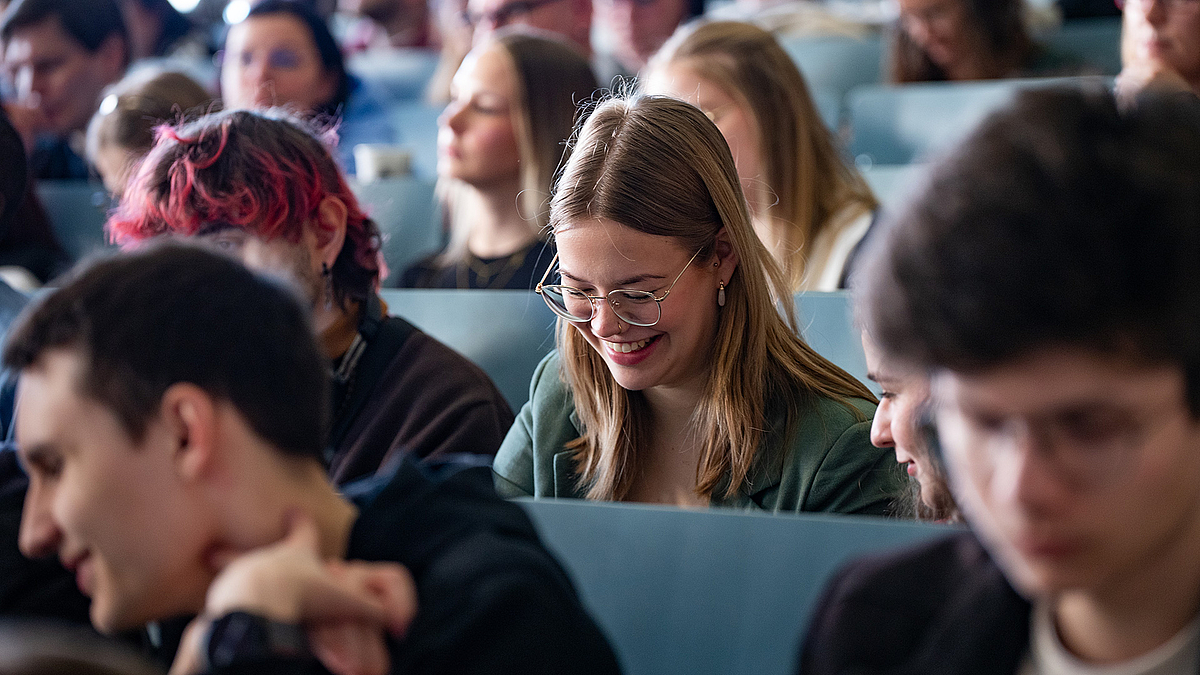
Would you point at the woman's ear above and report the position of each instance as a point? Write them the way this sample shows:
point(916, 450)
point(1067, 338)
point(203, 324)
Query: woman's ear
point(727, 257)
point(331, 229)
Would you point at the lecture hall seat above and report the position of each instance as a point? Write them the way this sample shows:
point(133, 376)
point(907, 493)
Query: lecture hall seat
point(706, 592)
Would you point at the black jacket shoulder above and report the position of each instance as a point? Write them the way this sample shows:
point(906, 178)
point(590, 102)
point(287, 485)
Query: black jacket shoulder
point(941, 607)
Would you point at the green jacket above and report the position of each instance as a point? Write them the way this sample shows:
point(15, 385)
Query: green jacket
point(828, 463)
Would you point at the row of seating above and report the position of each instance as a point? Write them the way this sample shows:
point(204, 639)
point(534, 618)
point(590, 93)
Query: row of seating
point(706, 592)
point(405, 209)
point(508, 332)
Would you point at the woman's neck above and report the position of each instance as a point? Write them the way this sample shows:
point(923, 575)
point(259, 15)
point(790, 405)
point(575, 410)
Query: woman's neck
point(497, 228)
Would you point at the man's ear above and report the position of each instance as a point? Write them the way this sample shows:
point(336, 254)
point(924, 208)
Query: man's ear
point(190, 416)
point(331, 229)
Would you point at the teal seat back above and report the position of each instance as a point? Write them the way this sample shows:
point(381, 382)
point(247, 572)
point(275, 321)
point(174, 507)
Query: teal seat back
point(77, 212)
point(401, 74)
point(506, 333)
point(706, 592)
point(1095, 42)
point(894, 184)
point(416, 129)
point(408, 218)
point(899, 124)
point(826, 321)
point(836, 64)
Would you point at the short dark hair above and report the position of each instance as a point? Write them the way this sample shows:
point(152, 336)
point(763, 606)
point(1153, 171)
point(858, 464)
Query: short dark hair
point(327, 46)
point(1062, 220)
point(175, 313)
point(89, 22)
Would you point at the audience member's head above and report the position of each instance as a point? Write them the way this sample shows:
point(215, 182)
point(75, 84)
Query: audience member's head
point(958, 40)
point(640, 27)
point(119, 368)
point(283, 54)
point(407, 22)
point(46, 648)
point(513, 107)
point(1048, 276)
point(571, 19)
point(27, 240)
point(791, 170)
point(902, 422)
point(1160, 44)
point(266, 188)
point(122, 130)
point(60, 54)
point(650, 199)
point(154, 27)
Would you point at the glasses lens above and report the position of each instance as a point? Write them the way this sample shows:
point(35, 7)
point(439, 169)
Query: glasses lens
point(636, 307)
point(568, 302)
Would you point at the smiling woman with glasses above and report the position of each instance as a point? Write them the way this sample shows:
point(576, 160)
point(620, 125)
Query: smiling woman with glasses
point(676, 380)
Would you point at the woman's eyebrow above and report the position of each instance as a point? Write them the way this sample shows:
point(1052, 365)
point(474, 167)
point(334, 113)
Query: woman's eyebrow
point(620, 284)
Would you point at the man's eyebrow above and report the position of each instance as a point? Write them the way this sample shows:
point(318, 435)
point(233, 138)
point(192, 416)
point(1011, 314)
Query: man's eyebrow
point(620, 284)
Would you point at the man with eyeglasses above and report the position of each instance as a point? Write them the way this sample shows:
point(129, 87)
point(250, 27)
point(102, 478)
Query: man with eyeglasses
point(1160, 45)
point(1048, 279)
point(572, 19)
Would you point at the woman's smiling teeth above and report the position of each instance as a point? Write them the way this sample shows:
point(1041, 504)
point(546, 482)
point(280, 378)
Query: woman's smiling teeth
point(626, 347)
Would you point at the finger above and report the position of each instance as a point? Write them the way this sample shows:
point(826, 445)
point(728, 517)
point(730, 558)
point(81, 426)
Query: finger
point(396, 592)
point(350, 648)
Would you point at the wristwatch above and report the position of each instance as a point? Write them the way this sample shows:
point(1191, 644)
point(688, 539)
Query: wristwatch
point(240, 638)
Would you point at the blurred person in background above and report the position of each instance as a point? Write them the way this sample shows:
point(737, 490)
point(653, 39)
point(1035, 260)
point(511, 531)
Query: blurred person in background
point(500, 143)
point(571, 19)
point(283, 54)
point(122, 131)
point(1160, 45)
point(59, 55)
point(935, 40)
point(639, 27)
point(383, 24)
point(809, 206)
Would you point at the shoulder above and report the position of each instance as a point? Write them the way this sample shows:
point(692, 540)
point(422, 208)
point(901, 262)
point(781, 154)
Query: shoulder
point(944, 600)
point(830, 464)
point(484, 577)
point(433, 366)
point(533, 459)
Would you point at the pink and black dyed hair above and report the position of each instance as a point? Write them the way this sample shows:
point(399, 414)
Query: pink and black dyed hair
point(265, 173)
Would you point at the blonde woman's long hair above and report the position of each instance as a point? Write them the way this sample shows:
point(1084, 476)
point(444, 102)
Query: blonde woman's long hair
point(659, 166)
point(802, 165)
point(552, 79)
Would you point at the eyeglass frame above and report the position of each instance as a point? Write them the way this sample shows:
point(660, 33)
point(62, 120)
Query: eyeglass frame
point(606, 297)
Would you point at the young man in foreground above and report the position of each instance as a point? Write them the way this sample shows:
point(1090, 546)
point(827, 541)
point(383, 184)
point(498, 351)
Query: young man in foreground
point(1049, 280)
point(172, 412)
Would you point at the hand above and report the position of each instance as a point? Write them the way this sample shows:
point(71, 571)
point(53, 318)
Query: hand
point(346, 607)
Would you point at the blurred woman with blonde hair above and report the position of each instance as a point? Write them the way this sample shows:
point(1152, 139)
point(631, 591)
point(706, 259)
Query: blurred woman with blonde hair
point(500, 141)
point(809, 206)
point(676, 380)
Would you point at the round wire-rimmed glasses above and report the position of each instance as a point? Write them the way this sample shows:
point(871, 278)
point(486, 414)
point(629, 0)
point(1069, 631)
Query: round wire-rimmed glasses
point(637, 308)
